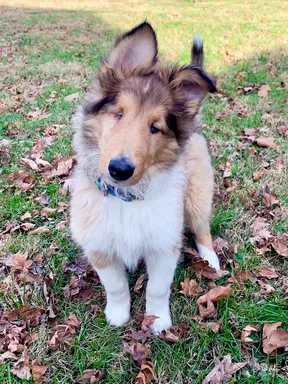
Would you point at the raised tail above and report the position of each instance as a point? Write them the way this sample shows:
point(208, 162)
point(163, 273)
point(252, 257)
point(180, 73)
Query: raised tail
point(197, 52)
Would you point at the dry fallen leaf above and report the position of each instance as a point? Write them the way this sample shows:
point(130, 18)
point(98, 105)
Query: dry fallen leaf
point(274, 338)
point(27, 226)
point(206, 302)
point(139, 283)
point(175, 333)
point(138, 351)
point(147, 321)
point(260, 231)
point(215, 327)
point(223, 371)
point(64, 167)
point(20, 263)
point(38, 371)
point(22, 180)
point(258, 175)
point(73, 321)
point(146, 373)
point(89, 375)
point(268, 273)
point(30, 163)
point(263, 90)
point(239, 277)
point(266, 142)
point(40, 230)
point(280, 247)
point(27, 215)
point(266, 288)
point(190, 287)
point(72, 97)
point(202, 269)
point(246, 332)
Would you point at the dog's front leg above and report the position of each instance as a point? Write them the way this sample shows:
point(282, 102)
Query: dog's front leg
point(161, 269)
point(113, 277)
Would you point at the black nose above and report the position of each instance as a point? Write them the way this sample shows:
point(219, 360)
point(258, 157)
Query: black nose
point(120, 169)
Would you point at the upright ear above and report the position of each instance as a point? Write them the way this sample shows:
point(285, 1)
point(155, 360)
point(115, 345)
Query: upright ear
point(190, 85)
point(135, 49)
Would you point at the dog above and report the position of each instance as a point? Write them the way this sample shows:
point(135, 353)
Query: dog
point(143, 170)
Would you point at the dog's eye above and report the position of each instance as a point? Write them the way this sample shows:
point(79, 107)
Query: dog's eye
point(119, 115)
point(154, 129)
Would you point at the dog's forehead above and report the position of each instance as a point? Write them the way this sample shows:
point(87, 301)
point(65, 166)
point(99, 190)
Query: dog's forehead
point(147, 90)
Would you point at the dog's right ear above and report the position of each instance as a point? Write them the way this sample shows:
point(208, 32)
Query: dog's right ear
point(136, 49)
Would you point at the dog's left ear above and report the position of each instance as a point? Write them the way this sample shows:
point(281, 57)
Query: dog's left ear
point(190, 85)
point(135, 49)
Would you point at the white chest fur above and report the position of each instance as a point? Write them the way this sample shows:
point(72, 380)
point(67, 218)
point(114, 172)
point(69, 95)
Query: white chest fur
point(131, 230)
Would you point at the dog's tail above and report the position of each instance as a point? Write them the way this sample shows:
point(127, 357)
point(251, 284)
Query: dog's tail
point(197, 52)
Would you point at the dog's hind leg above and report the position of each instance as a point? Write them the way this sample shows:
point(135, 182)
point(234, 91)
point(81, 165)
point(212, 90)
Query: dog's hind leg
point(113, 277)
point(199, 197)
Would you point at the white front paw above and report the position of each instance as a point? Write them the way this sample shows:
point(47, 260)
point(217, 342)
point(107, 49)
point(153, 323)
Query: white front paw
point(117, 315)
point(210, 256)
point(161, 324)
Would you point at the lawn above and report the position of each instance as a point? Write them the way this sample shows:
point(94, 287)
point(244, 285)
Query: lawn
point(50, 304)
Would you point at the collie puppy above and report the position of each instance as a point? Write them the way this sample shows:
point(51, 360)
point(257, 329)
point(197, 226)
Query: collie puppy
point(143, 169)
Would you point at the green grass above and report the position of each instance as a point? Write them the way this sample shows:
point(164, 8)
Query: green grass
point(51, 49)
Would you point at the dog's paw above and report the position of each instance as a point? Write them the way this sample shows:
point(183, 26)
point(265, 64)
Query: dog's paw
point(117, 315)
point(209, 256)
point(161, 324)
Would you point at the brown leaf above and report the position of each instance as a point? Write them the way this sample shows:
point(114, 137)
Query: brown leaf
point(266, 288)
point(62, 225)
point(20, 263)
point(63, 167)
point(146, 373)
point(38, 371)
point(215, 327)
point(284, 130)
point(260, 231)
point(246, 332)
point(40, 230)
point(147, 321)
point(38, 148)
point(223, 371)
point(139, 352)
point(190, 287)
point(42, 198)
point(72, 97)
point(274, 338)
point(280, 247)
point(202, 269)
point(23, 372)
point(89, 375)
point(73, 321)
point(239, 277)
point(249, 131)
point(205, 302)
point(263, 90)
point(175, 333)
point(31, 315)
point(26, 215)
point(27, 226)
point(139, 283)
point(258, 175)
point(30, 163)
point(266, 142)
point(268, 273)
point(61, 333)
point(46, 211)
point(22, 180)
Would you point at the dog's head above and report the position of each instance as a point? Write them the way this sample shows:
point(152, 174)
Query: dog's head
point(140, 113)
